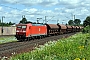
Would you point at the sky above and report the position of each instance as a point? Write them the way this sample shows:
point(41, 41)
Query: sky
point(60, 11)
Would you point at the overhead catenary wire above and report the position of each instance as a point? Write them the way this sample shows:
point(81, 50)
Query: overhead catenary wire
point(27, 12)
point(21, 12)
point(9, 7)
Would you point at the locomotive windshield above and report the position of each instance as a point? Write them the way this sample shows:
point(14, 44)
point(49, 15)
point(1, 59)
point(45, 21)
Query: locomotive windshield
point(22, 27)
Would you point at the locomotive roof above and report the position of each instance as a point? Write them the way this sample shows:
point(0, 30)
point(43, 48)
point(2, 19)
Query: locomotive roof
point(33, 24)
point(20, 24)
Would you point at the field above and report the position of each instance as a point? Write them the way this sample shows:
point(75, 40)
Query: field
point(76, 47)
point(6, 39)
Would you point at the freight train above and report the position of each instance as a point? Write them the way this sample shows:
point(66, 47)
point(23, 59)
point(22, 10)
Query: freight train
point(39, 30)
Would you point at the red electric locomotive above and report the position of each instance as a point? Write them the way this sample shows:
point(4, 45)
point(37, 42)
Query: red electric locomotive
point(30, 30)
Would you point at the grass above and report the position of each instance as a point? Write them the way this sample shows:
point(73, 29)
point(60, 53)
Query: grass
point(6, 39)
point(76, 47)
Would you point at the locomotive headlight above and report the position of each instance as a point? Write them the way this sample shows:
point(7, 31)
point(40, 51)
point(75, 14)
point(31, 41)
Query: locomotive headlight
point(17, 31)
point(24, 31)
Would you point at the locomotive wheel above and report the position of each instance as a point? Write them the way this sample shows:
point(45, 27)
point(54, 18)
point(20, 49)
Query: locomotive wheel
point(44, 36)
point(38, 37)
point(33, 38)
point(41, 37)
point(27, 39)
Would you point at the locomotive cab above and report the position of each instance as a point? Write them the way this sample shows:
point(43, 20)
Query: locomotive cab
point(21, 31)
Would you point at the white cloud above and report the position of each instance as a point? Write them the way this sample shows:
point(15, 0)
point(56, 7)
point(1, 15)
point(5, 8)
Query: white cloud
point(61, 9)
point(10, 1)
point(66, 3)
point(49, 2)
point(33, 2)
point(1, 8)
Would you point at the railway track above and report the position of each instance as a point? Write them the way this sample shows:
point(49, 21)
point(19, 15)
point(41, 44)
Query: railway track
point(13, 48)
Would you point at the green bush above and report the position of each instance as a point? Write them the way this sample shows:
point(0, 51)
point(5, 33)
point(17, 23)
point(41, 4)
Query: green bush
point(76, 47)
point(86, 29)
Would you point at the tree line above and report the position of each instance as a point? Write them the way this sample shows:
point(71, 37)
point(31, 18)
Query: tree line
point(6, 24)
point(76, 22)
point(86, 22)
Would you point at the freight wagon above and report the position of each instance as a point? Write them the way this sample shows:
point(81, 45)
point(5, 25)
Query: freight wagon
point(52, 29)
point(62, 28)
